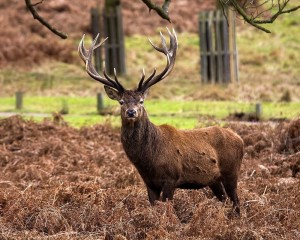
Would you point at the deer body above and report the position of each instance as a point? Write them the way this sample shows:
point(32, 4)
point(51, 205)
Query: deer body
point(165, 157)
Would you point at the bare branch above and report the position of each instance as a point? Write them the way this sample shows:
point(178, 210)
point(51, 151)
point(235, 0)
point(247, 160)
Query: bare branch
point(247, 18)
point(251, 14)
point(35, 4)
point(31, 8)
point(224, 12)
point(163, 11)
point(280, 11)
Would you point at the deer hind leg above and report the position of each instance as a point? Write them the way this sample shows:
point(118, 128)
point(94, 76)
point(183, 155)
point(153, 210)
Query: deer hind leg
point(153, 194)
point(230, 185)
point(218, 190)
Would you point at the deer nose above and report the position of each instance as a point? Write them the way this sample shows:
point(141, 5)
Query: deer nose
point(131, 113)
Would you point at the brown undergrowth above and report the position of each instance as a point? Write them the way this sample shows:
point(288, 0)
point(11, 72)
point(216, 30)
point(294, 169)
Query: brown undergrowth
point(58, 182)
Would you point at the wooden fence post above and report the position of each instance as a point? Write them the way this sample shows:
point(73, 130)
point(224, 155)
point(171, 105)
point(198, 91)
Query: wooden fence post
point(218, 47)
point(114, 46)
point(258, 110)
point(100, 105)
point(233, 47)
point(203, 48)
point(19, 100)
point(96, 28)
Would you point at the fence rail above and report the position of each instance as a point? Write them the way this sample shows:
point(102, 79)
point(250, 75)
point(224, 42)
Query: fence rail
point(218, 50)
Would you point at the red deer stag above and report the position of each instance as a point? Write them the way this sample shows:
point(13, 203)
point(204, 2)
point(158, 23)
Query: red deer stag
point(165, 157)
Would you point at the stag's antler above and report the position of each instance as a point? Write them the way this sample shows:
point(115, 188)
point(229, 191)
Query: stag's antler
point(170, 54)
point(86, 56)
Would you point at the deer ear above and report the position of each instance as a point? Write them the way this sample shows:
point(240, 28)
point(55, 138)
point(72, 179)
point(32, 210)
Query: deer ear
point(112, 93)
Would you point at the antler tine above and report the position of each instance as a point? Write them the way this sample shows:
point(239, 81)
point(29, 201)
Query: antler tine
point(92, 71)
point(86, 56)
point(163, 43)
point(173, 37)
point(171, 56)
point(142, 80)
point(99, 44)
point(173, 46)
point(117, 81)
point(154, 46)
point(83, 53)
point(143, 83)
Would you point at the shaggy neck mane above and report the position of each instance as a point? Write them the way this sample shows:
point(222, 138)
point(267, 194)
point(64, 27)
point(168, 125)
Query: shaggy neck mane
point(140, 140)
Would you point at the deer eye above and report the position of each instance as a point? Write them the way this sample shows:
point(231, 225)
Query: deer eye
point(141, 101)
point(121, 102)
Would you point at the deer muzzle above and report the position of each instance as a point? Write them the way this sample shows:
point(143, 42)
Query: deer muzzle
point(131, 113)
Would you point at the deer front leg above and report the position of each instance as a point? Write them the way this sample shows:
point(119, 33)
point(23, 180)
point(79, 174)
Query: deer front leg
point(168, 191)
point(153, 195)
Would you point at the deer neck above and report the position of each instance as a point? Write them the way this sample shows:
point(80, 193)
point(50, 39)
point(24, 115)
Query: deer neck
point(141, 140)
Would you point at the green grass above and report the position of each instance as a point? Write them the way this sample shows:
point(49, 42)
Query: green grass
point(182, 114)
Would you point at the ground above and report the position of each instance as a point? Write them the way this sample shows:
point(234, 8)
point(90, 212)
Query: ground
point(68, 183)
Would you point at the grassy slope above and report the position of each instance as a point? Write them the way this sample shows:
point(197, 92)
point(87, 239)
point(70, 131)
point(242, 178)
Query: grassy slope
point(269, 65)
point(270, 62)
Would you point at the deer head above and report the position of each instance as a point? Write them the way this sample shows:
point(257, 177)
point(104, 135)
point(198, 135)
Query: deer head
point(131, 101)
